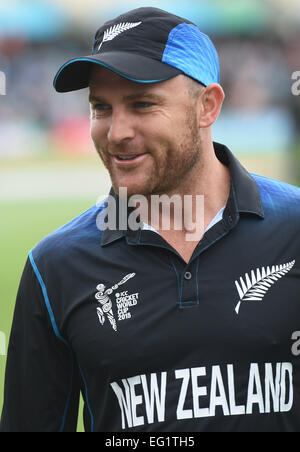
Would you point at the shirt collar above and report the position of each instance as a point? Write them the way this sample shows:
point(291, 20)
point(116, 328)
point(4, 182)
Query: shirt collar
point(246, 191)
point(244, 197)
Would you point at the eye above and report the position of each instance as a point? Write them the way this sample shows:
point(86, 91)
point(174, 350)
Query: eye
point(101, 107)
point(143, 104)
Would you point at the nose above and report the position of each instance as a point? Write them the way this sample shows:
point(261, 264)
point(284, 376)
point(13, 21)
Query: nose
point(121, 127)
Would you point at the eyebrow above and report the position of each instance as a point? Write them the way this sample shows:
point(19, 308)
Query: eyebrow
point(130, 97)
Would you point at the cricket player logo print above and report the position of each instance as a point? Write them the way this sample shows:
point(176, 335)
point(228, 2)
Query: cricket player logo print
point(123, 302)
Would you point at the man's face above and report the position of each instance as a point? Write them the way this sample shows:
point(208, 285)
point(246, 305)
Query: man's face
point(145, 134)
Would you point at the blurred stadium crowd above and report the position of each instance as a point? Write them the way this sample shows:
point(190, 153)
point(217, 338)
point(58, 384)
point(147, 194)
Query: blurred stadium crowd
point(256, 69)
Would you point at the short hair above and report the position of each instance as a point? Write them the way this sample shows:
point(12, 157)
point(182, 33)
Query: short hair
point(194, 88)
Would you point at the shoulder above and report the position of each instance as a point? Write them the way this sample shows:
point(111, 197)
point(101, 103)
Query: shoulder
point(70, 239)
point(278, 194)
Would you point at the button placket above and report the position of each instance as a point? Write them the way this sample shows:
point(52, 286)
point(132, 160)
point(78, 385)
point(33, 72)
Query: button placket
point(189, 293)
point(187, 279)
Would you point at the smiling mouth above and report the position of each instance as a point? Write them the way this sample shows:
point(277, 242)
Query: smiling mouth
point(128, 159)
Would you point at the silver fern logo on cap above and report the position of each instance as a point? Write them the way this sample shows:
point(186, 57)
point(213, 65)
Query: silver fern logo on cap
point(254, 288)
point(112, 32)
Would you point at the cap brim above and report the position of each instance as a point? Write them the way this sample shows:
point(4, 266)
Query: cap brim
point(75, 74)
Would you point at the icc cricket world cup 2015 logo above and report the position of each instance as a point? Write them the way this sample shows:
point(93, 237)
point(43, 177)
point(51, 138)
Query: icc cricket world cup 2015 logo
point(103, 297)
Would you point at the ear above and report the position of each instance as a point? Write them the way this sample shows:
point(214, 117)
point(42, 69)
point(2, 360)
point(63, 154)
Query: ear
point(210, 104)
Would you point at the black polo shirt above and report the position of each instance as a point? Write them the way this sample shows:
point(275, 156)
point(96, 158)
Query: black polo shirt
point(156, 344)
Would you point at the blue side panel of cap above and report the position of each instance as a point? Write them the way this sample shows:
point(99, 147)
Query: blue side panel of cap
point(90, 60)
point(192, 51)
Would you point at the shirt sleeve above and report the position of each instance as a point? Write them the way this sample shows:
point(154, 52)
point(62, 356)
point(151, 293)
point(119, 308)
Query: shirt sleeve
point(42, 383)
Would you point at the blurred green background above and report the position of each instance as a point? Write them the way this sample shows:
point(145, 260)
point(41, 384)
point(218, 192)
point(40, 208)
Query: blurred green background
point(22, 225)
point(49, 171)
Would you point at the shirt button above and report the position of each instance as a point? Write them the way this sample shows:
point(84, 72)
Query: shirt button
point(188, 275)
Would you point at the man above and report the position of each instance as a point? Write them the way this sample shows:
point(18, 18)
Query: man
point(161, 332)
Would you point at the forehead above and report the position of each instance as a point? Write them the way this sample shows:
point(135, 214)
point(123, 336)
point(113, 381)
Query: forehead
point(103, 81)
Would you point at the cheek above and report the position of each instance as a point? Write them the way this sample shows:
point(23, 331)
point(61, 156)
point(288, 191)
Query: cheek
point(97, 133)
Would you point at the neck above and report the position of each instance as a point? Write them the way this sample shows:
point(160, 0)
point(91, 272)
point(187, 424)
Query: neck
point(194, 203)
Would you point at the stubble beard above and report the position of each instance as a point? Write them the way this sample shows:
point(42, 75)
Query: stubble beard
point(171, 169)
point(179, 162)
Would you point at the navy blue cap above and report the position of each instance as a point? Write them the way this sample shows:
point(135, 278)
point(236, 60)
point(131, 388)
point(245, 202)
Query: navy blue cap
point(145, 45)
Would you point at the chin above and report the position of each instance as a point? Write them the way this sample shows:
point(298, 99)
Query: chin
point(130, 190)
point(141, 187)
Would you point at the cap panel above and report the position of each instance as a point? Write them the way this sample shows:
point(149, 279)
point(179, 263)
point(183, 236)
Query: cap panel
point(139, 37)
point(192, 51)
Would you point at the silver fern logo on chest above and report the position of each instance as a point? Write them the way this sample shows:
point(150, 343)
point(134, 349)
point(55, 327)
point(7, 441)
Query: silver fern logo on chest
point(255, 286)
point(114, 31)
